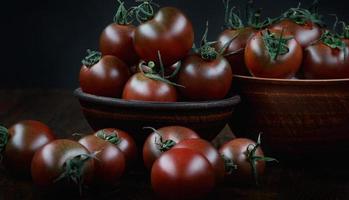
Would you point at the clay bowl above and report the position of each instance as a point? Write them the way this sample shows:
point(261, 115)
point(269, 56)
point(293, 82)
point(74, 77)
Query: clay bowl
point(206, 118)
point(296, 117)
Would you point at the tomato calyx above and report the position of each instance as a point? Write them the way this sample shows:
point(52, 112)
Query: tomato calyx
point(162, 145)
point(253, 159)
point(4, 136)
point(345, 33)
point(144, 11)
point(92, 58)
point(302, 16)
point(122, 14)
point(229, 165)
point(276, 45)
point(232, 20)
point(333, 40)
point(112, 137)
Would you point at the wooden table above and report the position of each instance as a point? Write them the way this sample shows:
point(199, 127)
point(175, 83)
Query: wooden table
point(320, 179)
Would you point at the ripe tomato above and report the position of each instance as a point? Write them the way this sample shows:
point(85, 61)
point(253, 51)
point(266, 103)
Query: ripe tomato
point(142, 88)
point(271, 54)
point(207, 150)
point(19, 143)
point(327, 59)
point(103, 76)
point(169, 32)
point(62, 163)
point(122, 140)
point(109, 163)
point(162, 140)
point(182, 174)
point(117, 38)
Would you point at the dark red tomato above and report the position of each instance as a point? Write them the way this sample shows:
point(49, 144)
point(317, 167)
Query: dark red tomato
point(323, 62)
point(236, 152)
point(235, 52)
point(23, 139)
point(117, 40)
point(169, 32)
point(207, 150)
point(182, 174)
point(205, 79)
point(50, 165)
point(141, 88)
point(110, 161)
point(162, 140)
point(305, 34)
point(264, 58)
point(106, 76)
point(122, 140)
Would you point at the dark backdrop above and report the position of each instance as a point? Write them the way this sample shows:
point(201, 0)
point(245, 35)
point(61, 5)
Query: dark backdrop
point(43, 41)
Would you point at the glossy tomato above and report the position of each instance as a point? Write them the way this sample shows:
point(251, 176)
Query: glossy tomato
point(19, 143)
point(142, 88)
point(182, 174)
point(122, 140)
point(62, 163)
point(109, 163)
point(273, 54)
point(206, 149)
point(162, 140)
point(169, 32)
point(103, 76)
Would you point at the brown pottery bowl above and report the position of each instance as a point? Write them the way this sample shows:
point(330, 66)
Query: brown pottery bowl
point(296, 117)
point(206, 118)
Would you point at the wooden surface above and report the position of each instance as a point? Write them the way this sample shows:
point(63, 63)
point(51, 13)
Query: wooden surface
point(320, 179)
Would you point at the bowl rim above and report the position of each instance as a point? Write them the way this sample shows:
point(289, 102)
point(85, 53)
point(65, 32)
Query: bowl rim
point(109, 101)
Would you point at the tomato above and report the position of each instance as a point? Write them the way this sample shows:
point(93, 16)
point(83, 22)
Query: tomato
point(169, 32)
point(19, 143)
point(142, 88)
point(109, 163)
point(62, 163)
point(117, 38)
point(103, 76)
point(244, 159)
point(182, 174)
point(162, 140)
point(271, 54)
point(207, 150)
point(327, 59)
point(122, 140)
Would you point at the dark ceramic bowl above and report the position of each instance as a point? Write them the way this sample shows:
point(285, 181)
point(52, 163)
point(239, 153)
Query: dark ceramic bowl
point(207, 118)
point(297, 117)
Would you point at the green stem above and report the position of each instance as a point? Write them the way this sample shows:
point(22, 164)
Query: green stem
point(92, 58)
point(111, 137)
point(163, 146)
point(122, 14)
point(229, 165)
point(144, 11)
point(275, 45)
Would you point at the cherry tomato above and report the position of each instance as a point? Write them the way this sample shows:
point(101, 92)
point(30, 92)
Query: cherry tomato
point(205, 79)
point(141, 88)
point(169, 32)
point(271, 54)
point(207, 150)
point(62, 163)
point(103, 76)
point(122, 140)
point(19, 143)
point(182, 174)
point(162, 140)
point(109, 163)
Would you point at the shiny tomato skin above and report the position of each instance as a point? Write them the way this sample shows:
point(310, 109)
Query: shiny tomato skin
point(141, 88)
point(322, 62)
point(206, 149)
point(106, 78)
point(25, 138)
point(304, 34)
point(182, 174)
point(127, 144)
point(205, 80)
point(47, 163)
point(260, 63)
point(117, 40)
point(236, 150)
point(169, 32)
point(151, 150)
point(109, 163)
point(242, 36)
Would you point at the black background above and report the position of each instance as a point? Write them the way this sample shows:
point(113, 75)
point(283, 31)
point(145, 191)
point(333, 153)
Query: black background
point(44, 41)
